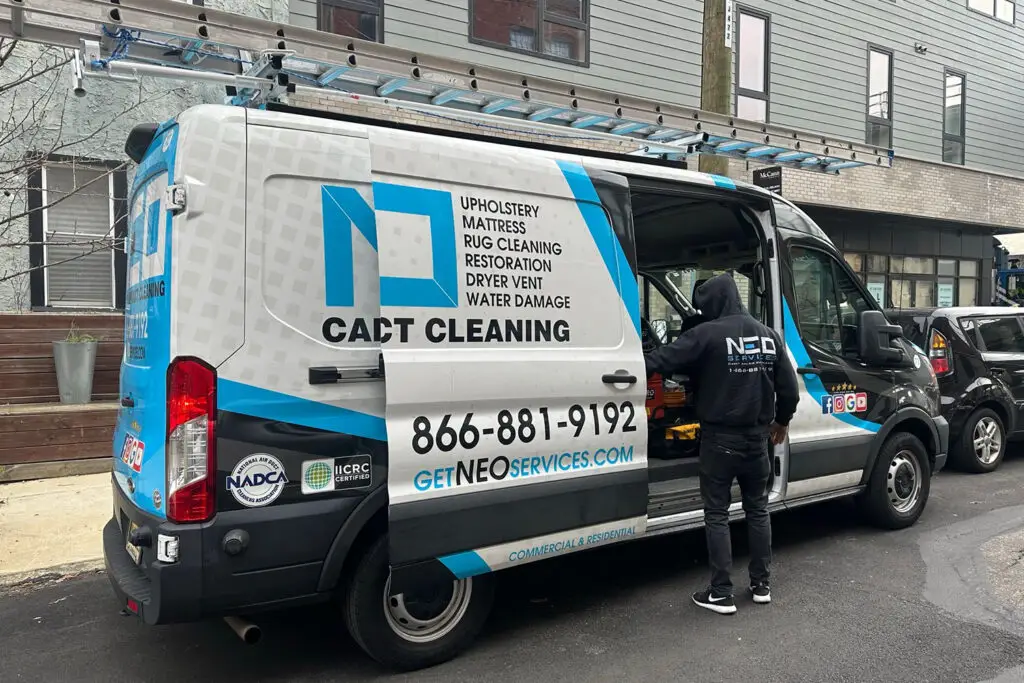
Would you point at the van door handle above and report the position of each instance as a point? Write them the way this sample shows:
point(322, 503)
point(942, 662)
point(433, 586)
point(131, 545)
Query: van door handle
point(334, 375)
point(618, 379)
point(808, 370)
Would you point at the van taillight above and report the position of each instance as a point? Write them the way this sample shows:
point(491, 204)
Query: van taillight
point(191, 446)
point(939, 354)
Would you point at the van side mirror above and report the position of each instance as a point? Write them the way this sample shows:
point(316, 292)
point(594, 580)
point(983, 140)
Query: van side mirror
point(876, 337)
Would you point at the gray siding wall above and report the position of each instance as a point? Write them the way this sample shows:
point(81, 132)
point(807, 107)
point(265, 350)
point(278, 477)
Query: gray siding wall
point(644, 48)
point(819, 62)
point(818, 76)
point(302, 13)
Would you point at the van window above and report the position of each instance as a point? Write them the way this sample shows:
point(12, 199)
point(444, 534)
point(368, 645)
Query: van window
point(828, 301)
point(792, 218)
point(660, 312)
point(1001, 335)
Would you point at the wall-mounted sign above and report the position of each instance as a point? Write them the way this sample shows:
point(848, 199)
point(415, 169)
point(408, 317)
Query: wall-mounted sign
point(729, 7)
point(769, 178)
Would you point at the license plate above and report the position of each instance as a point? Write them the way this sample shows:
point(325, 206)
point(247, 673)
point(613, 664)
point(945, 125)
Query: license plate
point(134, 551)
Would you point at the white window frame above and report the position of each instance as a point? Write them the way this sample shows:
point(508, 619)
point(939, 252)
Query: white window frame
point(763, 95)
point(44, 182)
point(992, 11)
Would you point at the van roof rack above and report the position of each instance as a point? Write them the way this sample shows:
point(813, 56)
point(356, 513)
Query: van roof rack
point(261, 62)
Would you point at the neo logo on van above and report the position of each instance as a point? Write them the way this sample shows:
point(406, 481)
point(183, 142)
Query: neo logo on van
point(344, 207)
point(749, 346)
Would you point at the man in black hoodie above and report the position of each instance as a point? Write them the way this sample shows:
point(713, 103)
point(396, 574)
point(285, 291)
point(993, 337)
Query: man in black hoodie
point(746, 393)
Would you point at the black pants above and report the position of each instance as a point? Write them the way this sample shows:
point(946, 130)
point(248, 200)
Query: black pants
point(723, 458)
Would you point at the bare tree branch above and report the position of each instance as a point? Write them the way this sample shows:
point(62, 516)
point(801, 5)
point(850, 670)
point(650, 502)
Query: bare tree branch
point(42, 125)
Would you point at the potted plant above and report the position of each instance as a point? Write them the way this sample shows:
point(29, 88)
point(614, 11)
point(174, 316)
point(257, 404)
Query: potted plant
point(75, 360)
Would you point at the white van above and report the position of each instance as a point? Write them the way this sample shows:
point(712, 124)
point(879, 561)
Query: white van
point(351, 347)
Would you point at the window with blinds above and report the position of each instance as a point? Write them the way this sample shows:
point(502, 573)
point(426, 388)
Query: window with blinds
point(78, 230)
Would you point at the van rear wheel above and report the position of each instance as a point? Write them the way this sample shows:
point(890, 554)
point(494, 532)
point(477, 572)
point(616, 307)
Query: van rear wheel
point(900, 483)
point(409, 632)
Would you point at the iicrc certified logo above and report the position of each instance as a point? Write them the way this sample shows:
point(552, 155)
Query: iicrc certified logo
point(317, 476)
point(257, 480)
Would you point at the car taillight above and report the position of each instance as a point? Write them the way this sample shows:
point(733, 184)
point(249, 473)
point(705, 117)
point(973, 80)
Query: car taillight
point(939, 354)
point(191, 446)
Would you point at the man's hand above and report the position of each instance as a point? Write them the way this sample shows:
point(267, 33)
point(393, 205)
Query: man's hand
point(777, 433)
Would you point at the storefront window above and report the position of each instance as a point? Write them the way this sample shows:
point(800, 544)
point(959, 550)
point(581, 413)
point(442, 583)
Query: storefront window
point(917, 281)
point(913, 265)
point(856, 262)
point(876, 287)
point(946, 292)
point(878, 263)
point(924, 293)
point(902, 293)
point(968, 292)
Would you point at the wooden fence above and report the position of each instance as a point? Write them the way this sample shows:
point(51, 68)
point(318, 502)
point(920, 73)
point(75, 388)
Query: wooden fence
point(34, 426)
point(27, 374)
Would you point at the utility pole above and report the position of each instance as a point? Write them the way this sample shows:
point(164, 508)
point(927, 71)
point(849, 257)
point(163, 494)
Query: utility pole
point(716, 73)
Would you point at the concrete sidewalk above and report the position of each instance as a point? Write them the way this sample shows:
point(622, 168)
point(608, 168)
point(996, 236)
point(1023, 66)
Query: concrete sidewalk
point(52, 526)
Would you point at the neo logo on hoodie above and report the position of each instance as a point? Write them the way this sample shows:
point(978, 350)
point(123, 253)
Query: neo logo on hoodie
point(749, 346)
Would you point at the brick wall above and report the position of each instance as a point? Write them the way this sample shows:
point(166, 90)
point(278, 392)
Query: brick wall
point(910, 187)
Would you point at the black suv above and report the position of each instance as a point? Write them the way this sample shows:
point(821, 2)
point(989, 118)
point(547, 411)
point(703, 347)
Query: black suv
point(978, 356)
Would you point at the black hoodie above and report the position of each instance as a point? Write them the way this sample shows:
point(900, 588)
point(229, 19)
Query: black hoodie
point(741, 371)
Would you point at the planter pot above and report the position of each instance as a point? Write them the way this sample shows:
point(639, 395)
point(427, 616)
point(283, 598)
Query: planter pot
point(75, 362)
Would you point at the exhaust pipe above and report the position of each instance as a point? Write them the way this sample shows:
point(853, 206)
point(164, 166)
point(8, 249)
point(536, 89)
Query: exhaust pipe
point(249, 632)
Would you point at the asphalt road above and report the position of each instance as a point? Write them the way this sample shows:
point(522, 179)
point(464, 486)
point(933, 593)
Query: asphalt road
point(850, 604)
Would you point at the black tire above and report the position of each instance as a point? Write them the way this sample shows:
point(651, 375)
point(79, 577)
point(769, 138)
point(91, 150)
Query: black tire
point(367, 618)
point(962, 454)
point(898, 455)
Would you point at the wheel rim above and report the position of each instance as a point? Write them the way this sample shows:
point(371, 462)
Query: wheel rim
point(430, 615)
point(988, 440)
point(904, 482)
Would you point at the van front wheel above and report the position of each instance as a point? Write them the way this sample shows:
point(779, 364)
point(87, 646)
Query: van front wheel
point(409, 632)
point(900, 483)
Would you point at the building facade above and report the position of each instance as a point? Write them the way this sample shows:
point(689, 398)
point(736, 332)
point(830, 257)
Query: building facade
point(935, 80)
point(65, 176)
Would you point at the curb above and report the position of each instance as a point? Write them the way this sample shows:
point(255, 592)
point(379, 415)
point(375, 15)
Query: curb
point(38, 578)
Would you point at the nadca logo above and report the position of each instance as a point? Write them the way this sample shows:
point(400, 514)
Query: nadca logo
point(748, 346)
point(257, 480)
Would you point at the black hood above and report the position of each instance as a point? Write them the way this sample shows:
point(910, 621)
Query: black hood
point(718, 297)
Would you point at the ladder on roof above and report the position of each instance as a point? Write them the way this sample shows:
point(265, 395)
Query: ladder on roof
point(261, 61)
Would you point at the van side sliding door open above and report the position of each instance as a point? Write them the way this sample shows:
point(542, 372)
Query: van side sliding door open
point(515, 380)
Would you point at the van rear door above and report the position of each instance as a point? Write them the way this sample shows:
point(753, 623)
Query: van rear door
point(140, 434)
point(512, 309)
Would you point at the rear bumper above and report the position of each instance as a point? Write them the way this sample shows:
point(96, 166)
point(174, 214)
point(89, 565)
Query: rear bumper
point(942, 442)
point(283, 565)
point(158, 592)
